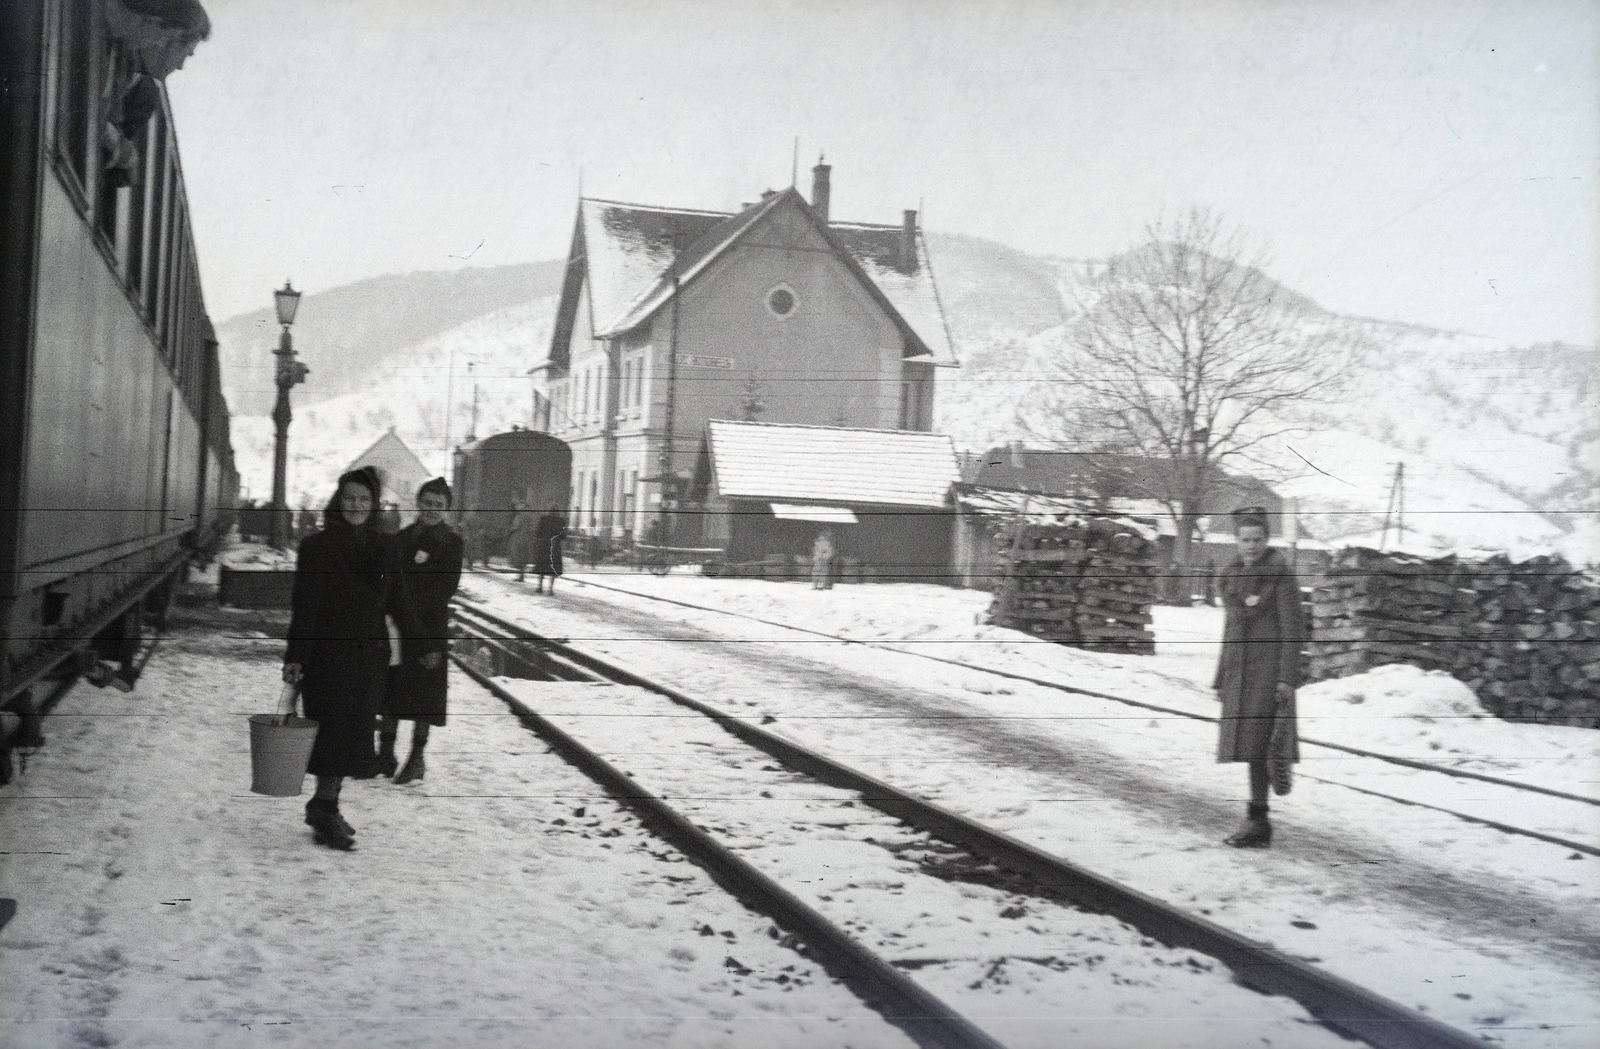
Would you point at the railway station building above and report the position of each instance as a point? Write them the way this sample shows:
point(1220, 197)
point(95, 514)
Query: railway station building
point(670, 318)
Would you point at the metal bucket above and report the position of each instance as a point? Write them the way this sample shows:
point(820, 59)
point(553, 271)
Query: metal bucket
point(279, 751)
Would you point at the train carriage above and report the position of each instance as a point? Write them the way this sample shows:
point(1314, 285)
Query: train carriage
point(525, 466)
point(115, 462)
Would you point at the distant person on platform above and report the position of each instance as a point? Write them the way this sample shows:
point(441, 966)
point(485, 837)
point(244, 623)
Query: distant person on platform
point(389, 519)
point(519, 537)
point(823, 553)
point(339, 645)
point(1259, 670)
point(547, 536)
point(476, 539)
point(427, 571)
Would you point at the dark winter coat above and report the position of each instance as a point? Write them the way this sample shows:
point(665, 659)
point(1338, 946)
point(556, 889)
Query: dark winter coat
point(1261, 643)
point(427, 571)
point(547, 544)
point(337, 635)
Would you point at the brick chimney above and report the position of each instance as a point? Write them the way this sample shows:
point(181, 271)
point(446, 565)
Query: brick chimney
point(908, 241)
point(821, 188)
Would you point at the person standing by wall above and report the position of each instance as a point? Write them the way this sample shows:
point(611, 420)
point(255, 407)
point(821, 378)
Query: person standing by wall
point(1259, 669)
point(338, 649)
point(823, 553)
point(428, 570)
point(552, 528)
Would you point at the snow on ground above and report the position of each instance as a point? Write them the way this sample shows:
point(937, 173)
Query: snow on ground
point(1396, 710)
point(1485, 930)
point(1019, 966)
point(257, 556)
point(501, 902)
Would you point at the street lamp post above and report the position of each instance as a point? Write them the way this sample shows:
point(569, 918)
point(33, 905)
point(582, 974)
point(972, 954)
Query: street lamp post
point(290, 372)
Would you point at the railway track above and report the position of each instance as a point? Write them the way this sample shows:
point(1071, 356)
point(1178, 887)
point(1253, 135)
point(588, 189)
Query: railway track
point(815, 782)
point(1391, 759)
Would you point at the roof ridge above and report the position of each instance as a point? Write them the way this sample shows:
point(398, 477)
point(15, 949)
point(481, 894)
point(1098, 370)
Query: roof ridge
point(822, 426)
point(657, 207)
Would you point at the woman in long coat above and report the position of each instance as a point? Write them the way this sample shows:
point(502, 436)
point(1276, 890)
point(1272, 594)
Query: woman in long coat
point(547, 538)
point(1260, 666)
point(339, 646)
point(428, 570)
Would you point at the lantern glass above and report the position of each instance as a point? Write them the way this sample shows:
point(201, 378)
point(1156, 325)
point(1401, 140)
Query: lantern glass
point(288, 301)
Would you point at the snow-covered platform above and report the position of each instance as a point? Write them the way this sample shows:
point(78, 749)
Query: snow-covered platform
point(500, 902)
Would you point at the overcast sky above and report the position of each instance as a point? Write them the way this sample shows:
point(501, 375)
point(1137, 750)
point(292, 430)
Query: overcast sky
point(1430, 161)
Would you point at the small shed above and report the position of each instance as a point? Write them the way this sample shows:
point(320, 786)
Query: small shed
point(766, 490)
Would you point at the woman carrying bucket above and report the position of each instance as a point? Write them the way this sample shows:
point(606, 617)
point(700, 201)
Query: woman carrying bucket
point(339, 645)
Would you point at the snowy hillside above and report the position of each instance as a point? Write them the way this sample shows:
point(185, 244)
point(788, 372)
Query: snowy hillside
point(1501, 444)
point(491, 354)
point(344, 334)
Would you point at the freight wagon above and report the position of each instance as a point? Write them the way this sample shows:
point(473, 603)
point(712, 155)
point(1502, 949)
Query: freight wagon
point(524, 466)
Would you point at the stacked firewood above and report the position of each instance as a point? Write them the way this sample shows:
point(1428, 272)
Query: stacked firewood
point(1522, 636)
point(1088, 582)
point(1378, 608)
point(1536, 655)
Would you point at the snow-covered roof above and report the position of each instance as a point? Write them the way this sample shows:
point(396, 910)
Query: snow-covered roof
point(831, 464)
point(631, 254)
point(401, 471)
point(1054, 509)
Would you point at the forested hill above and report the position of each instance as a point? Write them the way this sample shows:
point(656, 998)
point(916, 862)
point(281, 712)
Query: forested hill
point(1501, 444)
point(347, 334)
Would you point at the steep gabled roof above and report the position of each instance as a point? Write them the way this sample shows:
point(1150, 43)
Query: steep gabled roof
point(779, 462)
point(402, 472)
point(631, 253)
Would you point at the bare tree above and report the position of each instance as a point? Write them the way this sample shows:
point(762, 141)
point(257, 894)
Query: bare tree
point(1183, 350)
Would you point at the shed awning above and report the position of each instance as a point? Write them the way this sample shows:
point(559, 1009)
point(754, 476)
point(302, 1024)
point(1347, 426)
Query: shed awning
point(829, 514)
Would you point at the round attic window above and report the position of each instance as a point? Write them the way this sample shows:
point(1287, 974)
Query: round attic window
point(781, 300)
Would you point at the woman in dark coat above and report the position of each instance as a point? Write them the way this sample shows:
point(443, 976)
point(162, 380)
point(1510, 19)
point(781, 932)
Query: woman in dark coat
point(547, 536)
point(339, 647)
point(428, 569)
point(1260, 666)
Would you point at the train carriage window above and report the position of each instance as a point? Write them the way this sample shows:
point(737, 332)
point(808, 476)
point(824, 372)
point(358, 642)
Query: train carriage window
point(138, 201)
point(157, 224)
point(170, 271)
point(116, 152)
point(75, 99)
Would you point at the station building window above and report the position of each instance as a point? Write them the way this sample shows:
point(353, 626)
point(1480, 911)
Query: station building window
point(781, 301)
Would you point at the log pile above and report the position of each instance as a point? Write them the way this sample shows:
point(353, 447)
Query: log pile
point(1087, 582)
point(1522, 636)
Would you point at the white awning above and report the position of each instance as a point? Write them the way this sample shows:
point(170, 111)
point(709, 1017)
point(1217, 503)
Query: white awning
point(830, 514)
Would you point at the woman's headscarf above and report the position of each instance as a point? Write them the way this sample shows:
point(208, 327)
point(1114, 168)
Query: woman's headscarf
point(367, 476)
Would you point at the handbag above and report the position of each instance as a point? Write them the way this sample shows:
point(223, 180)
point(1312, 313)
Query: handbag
point(1280, 749)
